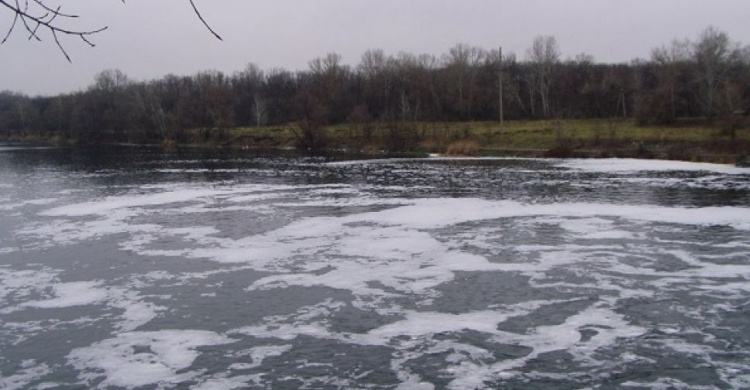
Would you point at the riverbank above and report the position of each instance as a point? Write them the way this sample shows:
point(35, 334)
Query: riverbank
point(687, 140)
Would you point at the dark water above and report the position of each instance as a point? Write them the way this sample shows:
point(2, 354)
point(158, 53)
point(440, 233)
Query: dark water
point(140, 268)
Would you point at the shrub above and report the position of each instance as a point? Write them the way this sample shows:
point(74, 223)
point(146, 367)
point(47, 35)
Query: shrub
point(560, 151)
point(401, 137)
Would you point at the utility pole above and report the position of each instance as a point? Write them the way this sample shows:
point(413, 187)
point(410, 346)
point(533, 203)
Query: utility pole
point(500, 89)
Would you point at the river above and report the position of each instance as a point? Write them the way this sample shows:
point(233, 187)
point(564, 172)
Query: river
point(130, 267)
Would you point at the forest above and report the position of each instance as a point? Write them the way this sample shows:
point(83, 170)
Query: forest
point(706, 78)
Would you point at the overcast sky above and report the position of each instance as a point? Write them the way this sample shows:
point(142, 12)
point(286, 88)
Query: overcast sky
point(147, 39)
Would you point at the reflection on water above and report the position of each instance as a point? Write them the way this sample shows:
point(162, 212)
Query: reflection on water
point(139, 267)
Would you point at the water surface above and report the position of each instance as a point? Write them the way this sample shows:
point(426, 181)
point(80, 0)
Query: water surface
point(140, 268)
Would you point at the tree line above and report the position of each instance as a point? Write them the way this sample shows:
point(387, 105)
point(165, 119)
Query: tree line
point(707, 77)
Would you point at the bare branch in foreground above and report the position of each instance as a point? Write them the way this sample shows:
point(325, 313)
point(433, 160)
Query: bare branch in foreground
point(36, 15)
point(204, 21)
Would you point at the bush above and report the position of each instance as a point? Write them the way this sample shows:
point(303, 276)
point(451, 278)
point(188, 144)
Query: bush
point(401, 137)
point(310, 132)
point(642, 150)
point(310, 136)
point(563, 142)
point(560, 151)
point(653, 109)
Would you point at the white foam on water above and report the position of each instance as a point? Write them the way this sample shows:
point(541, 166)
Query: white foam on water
point(32, 202)
point(268, 250)
point(736, 290)
point(258, 355)
point(222, 382)
point(394, 248)
point(636, 165)
point(379, 256)
point(66, 232)
point(198, 170)
point(48, 385)
point(723, 183)
point(140, 240)
point(137, 359)
point(421, 324)
point(42, 201)
point(252, 198)
point(442, 212)
point(359, 201)
point(72, 294)
point(308, 321)
point(614, 165)
point(19, 332)
point(468, 365)
point(114, 214)
point(665, 384)
point(408, 261)
point(697, 271)
point(136, 312)
point(609, 325)
point(413, 214)
point(19, 284)
point(431, 158)
point(30, 371)
point(122, 202)
point(372, 161)
point(593, 228)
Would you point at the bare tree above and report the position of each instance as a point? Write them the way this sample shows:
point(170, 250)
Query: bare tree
point(215, 103)
point(476, 55)
point(260, 110)
point(46, 15)
point(331, 63)
point(462, 63)
point(531, 79)
point(672, 61)
point(457, 63)
point(714, 54)
point(248, 85)
point(329, 76)
point(377, 71)
point(111, 80)
point(544, 54)
point(405, 65)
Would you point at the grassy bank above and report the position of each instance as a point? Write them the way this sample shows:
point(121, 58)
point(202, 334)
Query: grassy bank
point(688, 140)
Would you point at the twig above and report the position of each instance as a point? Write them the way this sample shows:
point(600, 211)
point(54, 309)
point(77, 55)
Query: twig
point(34, 21)
point(37, 14)
point(204, 21)
point(10, 30)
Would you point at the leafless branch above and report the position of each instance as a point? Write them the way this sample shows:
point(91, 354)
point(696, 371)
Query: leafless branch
point(36, 15)
point(10, 30)
point(56, 11)
point(204, 21)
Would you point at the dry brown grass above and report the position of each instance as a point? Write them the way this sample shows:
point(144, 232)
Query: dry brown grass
point(467, 147)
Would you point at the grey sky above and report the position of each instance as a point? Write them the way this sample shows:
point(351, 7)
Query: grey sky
point(150, 38)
